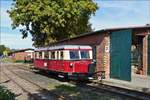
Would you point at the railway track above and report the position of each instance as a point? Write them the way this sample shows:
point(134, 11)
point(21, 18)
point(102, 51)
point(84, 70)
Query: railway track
point(33, 97)
point(127, 93)
point(45, 95)
point(122, 92)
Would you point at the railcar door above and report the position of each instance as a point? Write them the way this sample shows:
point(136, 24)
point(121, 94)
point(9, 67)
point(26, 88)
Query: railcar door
point(39, 62)
point(61, 60)
point(59, 63)
point(53, 61)
point(46, 58)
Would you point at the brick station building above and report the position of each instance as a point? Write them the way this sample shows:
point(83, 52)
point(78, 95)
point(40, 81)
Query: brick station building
point(23, 54)
point(117, 51)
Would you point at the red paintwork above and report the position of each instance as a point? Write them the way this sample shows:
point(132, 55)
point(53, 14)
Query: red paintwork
point(79, 66)
point(39, 63)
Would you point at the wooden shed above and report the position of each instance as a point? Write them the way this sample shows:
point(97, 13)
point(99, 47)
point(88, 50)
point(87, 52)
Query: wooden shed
point(118, 51)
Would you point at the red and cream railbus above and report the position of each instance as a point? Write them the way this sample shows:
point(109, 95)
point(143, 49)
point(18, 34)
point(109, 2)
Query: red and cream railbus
point(66, 60)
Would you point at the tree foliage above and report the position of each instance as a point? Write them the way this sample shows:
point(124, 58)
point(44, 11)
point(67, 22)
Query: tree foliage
point(4, 48)
point(51, 20)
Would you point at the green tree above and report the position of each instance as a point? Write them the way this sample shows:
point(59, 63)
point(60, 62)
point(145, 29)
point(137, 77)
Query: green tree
point(52, 20)
point(4, 48)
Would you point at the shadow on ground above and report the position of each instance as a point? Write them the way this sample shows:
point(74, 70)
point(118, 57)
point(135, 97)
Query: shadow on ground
point(72, 93)
point(55, 76)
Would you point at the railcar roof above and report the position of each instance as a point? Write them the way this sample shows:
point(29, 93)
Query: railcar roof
point(64, 47)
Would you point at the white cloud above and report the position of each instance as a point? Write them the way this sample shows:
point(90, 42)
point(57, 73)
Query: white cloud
point(14, 40)
point(121, 14)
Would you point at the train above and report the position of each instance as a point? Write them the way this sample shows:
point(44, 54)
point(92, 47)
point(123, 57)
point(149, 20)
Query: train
point(67, 61)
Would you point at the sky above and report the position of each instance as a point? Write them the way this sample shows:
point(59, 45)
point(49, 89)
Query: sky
point(111, 14)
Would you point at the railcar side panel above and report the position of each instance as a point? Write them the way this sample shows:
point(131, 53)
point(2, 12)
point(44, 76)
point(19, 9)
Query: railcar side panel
point(81, 66)
point(69, 66)
point(55, 65)
point(39, 63)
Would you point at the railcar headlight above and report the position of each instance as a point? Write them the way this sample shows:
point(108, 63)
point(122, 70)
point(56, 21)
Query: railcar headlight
point(71, 64)
point(93, 62)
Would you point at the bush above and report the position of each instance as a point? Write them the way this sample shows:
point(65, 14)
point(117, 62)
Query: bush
point(6, 94)
point(7, 60)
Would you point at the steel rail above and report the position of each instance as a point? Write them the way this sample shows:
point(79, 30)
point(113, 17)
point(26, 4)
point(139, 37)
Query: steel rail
point(127, 92)
point(137, 95)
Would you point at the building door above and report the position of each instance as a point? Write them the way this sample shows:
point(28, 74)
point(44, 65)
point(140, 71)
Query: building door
point(120, 55)
point(148, 70)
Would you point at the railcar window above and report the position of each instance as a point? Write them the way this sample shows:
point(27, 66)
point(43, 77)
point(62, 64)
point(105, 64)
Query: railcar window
point(36, 55)
point(74, 54)
point(40, 55)
point(61, 55)
point(57, 55)
point(46, 56)
point(53, 55)
point(84, 54)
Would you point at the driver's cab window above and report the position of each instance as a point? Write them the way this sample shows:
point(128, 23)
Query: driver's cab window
point(74, 55)
point(85, 54)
